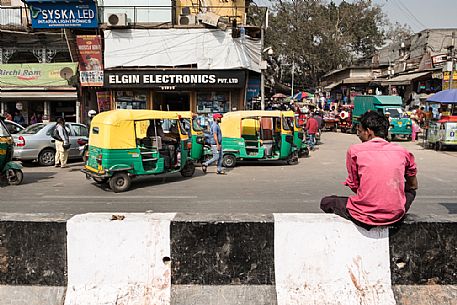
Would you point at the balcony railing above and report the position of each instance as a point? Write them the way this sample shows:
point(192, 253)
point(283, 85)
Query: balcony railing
point(143, 15)
point(13, 17)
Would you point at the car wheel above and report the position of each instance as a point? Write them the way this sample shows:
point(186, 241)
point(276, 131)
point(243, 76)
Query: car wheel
point(15, 176)
point(47, 157)
point(229, 160)
point(120, 182)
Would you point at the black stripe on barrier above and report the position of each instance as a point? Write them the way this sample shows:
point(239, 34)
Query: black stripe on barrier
point(222, 253)
point(424, 253)
point(33, 253)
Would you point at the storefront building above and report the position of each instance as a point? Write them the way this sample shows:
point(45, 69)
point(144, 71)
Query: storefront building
point(40, 89)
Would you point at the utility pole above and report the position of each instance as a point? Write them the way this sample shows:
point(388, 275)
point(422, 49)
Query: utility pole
point(262, 76)
point(452, 50)
point(293, 68)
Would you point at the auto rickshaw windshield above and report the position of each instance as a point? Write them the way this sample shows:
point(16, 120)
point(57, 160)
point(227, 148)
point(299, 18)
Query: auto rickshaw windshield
point(394, 112)
point(288, 123)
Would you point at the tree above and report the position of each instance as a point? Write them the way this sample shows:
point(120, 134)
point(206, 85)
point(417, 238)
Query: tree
point(319, 37)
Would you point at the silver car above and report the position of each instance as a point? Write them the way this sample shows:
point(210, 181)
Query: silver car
point(35, 142)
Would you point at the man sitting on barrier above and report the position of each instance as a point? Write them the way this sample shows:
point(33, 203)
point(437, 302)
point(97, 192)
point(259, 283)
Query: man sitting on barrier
point(382, 174)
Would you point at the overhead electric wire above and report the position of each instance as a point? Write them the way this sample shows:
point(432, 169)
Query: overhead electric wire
point(405, 10)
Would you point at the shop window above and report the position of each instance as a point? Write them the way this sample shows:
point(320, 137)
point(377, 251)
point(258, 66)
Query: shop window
point(213, 102)
point(136, 99)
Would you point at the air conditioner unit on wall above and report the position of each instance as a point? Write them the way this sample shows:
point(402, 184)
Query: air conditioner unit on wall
point(188, 19)
point(117, 19)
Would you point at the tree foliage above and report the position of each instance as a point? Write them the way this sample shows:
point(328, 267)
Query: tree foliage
point(318, 37)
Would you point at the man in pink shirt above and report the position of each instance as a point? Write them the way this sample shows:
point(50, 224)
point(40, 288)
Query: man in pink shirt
point(382, 174)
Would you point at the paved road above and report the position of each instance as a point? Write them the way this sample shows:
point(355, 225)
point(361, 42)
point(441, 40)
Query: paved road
point(252, 187)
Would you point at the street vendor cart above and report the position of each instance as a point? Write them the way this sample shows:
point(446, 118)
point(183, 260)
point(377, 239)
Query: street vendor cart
point(442, 128)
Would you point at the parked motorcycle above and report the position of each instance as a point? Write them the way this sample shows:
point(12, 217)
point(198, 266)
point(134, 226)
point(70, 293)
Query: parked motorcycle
point(83, 148)
point(9, 170)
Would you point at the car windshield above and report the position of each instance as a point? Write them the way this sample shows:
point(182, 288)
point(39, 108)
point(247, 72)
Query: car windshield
point(32, 129)
point(3, 131)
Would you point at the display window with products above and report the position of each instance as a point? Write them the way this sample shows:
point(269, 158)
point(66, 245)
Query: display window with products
point(132, 99)
point(213, 102)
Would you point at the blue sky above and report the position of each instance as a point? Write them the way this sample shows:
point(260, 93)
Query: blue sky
point(418, 14)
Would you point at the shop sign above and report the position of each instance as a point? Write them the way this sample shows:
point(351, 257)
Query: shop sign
point(447, 74)
point(103, 101)
point(31, 75)
point(63, 14)
point(175, 79)
point(90, 60)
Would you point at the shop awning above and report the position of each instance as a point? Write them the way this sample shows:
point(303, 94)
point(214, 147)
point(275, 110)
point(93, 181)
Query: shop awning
point(332, 85)
point(38, 95)
point(403, 80)
point(357, 80)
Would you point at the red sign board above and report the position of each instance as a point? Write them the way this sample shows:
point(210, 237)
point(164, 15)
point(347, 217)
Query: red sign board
point(90, 60)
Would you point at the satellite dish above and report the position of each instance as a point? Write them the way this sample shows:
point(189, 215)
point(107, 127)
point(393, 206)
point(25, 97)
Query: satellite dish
point(66, 73)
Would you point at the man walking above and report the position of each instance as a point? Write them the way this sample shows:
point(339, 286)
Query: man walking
point(62, 143)
point(312, 127)
point(382, 174)
point(216, 145)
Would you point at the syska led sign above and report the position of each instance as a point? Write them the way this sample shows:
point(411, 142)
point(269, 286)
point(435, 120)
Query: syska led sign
point(47, 15)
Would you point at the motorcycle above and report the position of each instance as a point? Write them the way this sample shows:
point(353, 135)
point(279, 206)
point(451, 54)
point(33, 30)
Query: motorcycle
point(83, 148)
point(9, 170)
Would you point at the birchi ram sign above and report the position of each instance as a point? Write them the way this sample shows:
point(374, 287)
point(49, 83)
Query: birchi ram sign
point(175, 79)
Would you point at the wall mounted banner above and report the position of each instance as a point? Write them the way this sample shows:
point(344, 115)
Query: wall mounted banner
point(31, 75)
point(90, 60)
point(175, 79)
point(63, 14)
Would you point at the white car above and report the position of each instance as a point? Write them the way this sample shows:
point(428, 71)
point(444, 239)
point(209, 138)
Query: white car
point(35, 142)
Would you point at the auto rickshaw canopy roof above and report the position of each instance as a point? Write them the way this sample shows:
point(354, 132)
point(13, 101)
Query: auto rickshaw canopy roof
point(231, 122)
point(119, 129)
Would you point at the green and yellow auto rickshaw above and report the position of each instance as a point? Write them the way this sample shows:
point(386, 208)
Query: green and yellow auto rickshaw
point(124, 144)
point(9, 170)
point(195, 133)
point(257, 135)
point(299, 135)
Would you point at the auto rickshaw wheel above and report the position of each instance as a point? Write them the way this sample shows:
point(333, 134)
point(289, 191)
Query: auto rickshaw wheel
point(120, 182)
point(305, 152)
point(229, 160)
point(343, 130)
point(47, 157)
point(15, 176)
point(188, 170)
point(439, 146)
point(100, 180)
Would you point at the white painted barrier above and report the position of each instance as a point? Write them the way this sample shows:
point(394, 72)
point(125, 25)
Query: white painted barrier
point(324, 259)
point(119, 261)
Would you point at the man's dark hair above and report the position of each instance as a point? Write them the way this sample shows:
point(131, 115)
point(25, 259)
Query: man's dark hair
point(60, 120)
point(376, 122)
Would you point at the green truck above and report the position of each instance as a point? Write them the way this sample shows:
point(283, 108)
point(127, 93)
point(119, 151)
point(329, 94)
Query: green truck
point(400, 124)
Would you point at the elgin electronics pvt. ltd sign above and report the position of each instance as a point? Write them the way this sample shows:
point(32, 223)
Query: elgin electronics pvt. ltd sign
point(175, 79)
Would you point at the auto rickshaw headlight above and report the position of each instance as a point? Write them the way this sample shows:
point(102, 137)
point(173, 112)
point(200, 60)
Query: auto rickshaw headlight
point(189, 145)
point(200, 140)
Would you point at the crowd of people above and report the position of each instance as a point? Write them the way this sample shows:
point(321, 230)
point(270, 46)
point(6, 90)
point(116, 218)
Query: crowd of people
point(18, 118)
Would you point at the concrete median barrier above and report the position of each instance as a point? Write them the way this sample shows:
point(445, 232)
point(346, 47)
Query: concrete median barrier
point(226, 259)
